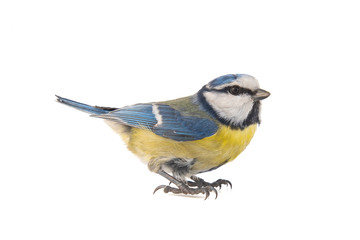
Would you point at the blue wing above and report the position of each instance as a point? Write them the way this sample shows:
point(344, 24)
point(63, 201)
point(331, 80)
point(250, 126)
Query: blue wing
point(164, 121)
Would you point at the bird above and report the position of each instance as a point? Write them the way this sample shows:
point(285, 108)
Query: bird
point(181, 138)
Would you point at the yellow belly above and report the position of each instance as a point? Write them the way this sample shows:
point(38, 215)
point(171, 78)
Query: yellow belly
point(210, 152)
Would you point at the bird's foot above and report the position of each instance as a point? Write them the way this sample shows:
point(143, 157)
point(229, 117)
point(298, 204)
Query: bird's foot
point(184, 189)
point(187, 187)
point(199, 182)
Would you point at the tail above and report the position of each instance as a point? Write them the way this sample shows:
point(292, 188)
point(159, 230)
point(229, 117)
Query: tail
point(84, 107)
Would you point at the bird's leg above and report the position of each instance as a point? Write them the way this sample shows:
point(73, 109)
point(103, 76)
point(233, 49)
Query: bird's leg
point(199, 182)
point(182, 187)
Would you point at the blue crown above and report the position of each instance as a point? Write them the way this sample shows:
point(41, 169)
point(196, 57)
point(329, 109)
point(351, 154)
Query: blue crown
point(225, 79)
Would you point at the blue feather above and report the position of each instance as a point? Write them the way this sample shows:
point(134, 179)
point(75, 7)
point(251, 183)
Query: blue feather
point(81, 106)
point(224, 79)
point(173, 125)
point(139, 115)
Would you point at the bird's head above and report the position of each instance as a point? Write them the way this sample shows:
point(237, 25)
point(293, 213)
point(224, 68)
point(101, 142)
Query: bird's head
point(233, 99)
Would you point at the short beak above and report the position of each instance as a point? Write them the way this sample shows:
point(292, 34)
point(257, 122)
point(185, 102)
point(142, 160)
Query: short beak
point(260, 95)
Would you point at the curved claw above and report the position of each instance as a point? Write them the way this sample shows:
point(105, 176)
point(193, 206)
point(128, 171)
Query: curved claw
point(229, 184)
point(215, 191)
point(220, 182)
point(212, 189)
point(208, 190)
point(207, 194)
point(159, 187)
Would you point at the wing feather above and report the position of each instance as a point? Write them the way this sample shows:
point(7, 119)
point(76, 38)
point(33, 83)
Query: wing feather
point(164, 121)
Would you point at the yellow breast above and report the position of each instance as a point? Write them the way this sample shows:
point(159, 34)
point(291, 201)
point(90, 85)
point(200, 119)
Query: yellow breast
point(223, 147)
point(209, 152)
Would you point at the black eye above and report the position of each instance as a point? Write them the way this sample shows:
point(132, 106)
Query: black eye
point(235, 90)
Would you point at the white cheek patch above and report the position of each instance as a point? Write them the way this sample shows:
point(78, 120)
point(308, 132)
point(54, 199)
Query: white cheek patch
point(232, 108)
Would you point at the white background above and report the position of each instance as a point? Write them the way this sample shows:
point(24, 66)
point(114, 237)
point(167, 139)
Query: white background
point(64, 175)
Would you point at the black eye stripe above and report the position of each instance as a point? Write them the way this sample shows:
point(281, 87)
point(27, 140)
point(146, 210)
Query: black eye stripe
point(237, 90)
point(227, 89)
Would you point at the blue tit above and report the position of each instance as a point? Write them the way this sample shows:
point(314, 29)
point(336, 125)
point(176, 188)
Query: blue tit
point(181, 138)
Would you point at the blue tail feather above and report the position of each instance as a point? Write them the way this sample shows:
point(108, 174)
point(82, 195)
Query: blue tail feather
point(84, 107)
